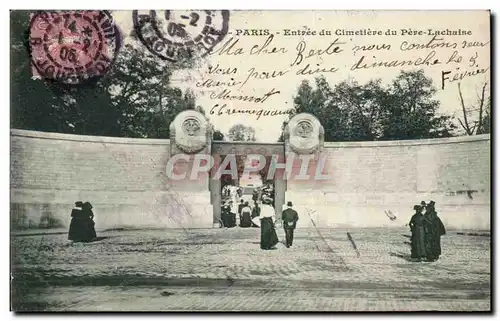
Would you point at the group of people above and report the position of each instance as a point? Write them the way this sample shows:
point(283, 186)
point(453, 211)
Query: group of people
point(426, 231)
point(82, 226)
point(261, 215)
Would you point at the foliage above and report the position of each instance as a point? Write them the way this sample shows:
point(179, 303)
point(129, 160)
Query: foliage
point(133, 100)
point(483, 122)
point(404, 109)
point(217, 135)
point(241, 133)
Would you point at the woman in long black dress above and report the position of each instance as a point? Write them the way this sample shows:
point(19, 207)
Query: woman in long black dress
point(417, 234)
point(76, 232)
point(246, 216)
point(89, 221)
point(268, 236)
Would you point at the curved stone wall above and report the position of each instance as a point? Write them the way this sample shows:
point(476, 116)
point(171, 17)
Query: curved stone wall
point(125, 181)
point(370, 178)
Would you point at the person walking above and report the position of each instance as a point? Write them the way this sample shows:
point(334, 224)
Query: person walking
point(290, 218)
point(246, 216)
point(268, 236)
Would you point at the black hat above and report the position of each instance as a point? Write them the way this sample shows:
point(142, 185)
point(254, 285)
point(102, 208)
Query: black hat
point(416, 207)
point(79, 204)
point(88, 205)
point(289, 204)
point(422, 203)
point(432, 203)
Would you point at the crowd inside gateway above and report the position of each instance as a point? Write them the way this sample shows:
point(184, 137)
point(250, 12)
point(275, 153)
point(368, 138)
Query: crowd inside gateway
point(238, 209)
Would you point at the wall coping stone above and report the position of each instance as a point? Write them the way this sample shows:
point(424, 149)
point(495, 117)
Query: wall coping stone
point(87, 138)
point(412, 142)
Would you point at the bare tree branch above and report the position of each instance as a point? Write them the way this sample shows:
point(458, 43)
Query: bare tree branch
point(462, 124)
point(466, 126)
point(481, 104)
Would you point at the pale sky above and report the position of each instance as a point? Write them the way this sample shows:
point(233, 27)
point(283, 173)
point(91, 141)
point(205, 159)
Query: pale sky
point(268, 128)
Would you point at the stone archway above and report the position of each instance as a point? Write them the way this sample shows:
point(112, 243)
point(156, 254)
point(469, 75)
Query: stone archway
point(221, 149)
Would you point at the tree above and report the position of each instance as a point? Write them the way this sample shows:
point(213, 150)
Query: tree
point(217, 135)
point(405, 109)
point(319, 102)
point(482, 124)
point(241, 133)
point(409, 110)
point(486, 124)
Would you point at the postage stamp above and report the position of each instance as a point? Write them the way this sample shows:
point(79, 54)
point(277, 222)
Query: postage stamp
point(72, 46)
point(172, 35)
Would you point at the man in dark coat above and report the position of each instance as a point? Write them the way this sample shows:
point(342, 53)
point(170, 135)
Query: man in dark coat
point(290, 218)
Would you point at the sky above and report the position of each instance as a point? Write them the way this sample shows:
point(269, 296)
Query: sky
point(413, 30)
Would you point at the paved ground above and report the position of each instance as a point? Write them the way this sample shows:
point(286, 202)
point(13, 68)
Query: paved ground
point(224, 270)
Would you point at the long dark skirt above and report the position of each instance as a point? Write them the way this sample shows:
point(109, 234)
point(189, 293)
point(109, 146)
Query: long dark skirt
point(433, 246)
point(81, 230)
point(418, 243)
point(246, 220)
point(268, 236)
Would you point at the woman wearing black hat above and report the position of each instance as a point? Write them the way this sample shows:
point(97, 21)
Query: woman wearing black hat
point(89, 221)
point(417, 234)
point(268, 236)
point(75, 227)
point(434, 229)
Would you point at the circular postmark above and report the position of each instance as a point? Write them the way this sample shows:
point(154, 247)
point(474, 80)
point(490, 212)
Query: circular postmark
point(72, 46)
point(173, 35)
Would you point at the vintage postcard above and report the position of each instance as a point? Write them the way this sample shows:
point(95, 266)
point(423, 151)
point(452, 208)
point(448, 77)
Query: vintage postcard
point(217, 160)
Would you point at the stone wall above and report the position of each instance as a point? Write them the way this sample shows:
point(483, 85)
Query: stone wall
point(370, 178)
point(123, 178)
point(125, 181)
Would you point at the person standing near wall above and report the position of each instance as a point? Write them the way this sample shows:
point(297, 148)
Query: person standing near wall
point(75, 227)
point(417, 234)
point(434, 229)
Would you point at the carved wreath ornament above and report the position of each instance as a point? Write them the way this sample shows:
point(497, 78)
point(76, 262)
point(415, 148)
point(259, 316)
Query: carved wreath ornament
point(189, 131)
point(304, 129)
point(191, 126)
point(304, 134)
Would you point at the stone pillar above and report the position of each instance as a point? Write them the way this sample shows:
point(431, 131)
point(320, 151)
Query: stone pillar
point(304, 135)
point(215, 191)
point(191, 134)
point(279, 196)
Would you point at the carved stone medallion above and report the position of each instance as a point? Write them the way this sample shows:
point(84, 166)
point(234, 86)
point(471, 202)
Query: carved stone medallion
point(304, 129)
point(191, 126)
point(190, 131)
point(304, 134)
